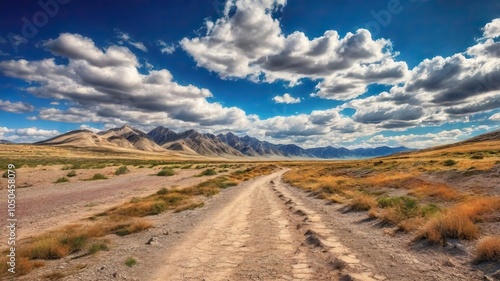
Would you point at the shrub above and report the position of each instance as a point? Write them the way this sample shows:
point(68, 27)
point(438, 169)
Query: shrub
point(71, 174)
point(5, 174)
point(488, 249)
point(362, 202)
point(454, 224)
point(449, 162)
point(99, 177)
point(162, 191)
point(167, 172)
point(97, 247)
point(122, 170)
point(130, 261)
point(62, 179)
point(208, 172)
point(477, 156)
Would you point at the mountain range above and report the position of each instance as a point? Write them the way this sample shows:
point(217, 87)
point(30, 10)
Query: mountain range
point(192, 142)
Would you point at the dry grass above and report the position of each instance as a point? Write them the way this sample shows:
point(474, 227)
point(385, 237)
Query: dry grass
point(62, 242)
point(488, 249)
point(403, 191)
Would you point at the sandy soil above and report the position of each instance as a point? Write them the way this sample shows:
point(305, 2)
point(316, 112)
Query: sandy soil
point(266, 230)
point(44, 205)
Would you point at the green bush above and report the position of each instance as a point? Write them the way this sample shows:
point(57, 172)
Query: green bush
point(130, 261)
point(71, 174)
point(97, 247)
point(122, 170)
point(449, 162)
point(62, 179)
point(99, 177)
point(166, 172)
point(208, 172)
point(477, 156)
point(162, 191)
point(5, 175)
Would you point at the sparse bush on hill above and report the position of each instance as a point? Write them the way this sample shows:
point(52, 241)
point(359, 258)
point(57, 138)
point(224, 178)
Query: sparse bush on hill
point(61, 180)
point(477, 156)
point(166, 172)
point(449, 162)
point(208, 172)
point(122, 170)
point(99, 177)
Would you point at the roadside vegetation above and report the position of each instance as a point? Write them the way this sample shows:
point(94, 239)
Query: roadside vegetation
point(406, 192)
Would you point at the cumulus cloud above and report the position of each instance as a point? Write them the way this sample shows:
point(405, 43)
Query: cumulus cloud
point(428, 139)
point(90, 128)
point(166, 48)
point(125, 38)
point(16, 107)
point(492, 29)
point(286, 98)
point(31, 134)
point(108, 84)
point(438, 90)
point(495, 117)
point(249, 43)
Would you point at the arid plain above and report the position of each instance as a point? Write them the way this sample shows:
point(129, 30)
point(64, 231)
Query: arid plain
point(101, 214)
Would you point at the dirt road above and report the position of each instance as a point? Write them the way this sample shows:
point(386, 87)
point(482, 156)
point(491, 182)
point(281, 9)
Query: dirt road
point(251, 238)
point(264, 229)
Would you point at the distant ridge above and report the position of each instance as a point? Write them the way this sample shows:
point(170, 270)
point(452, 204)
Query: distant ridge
point(230, 144)
point(162, 139)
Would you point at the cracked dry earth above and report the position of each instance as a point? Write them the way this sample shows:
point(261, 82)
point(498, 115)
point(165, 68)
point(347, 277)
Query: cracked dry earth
point(264, 229)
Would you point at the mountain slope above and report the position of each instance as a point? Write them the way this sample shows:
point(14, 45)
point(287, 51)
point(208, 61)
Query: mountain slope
point(137, 139)
point(204, 144)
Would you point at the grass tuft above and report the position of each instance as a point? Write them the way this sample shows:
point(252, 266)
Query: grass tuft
point(61, 180)
point(122, 170)
point(166, 172)
point(98, 177)
point(130, 261)
point(488, 249)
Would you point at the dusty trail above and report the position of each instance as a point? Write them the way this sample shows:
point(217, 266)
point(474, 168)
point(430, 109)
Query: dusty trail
point(251, 238)
point(264, 229)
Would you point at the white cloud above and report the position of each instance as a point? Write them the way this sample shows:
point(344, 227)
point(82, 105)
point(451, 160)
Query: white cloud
point(90, 128)
point(286, 98)
point(15, 107)
point(249, 43)
point(166, 48)
point(55, 103)
point(31, 134)
point(492, 29)
point(125, 37)
point(438, 90)
point(495, 117)
point(106, 86)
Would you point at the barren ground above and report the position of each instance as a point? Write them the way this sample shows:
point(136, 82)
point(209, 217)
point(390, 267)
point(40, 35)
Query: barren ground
point(260, 230)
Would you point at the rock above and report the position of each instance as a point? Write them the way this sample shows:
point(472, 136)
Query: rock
point(153, 241)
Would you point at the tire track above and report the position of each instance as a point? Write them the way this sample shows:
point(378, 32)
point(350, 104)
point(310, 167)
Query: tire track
point(317, 234)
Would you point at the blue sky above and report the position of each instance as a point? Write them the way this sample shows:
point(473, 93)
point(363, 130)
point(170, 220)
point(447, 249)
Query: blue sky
point(343, 73)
